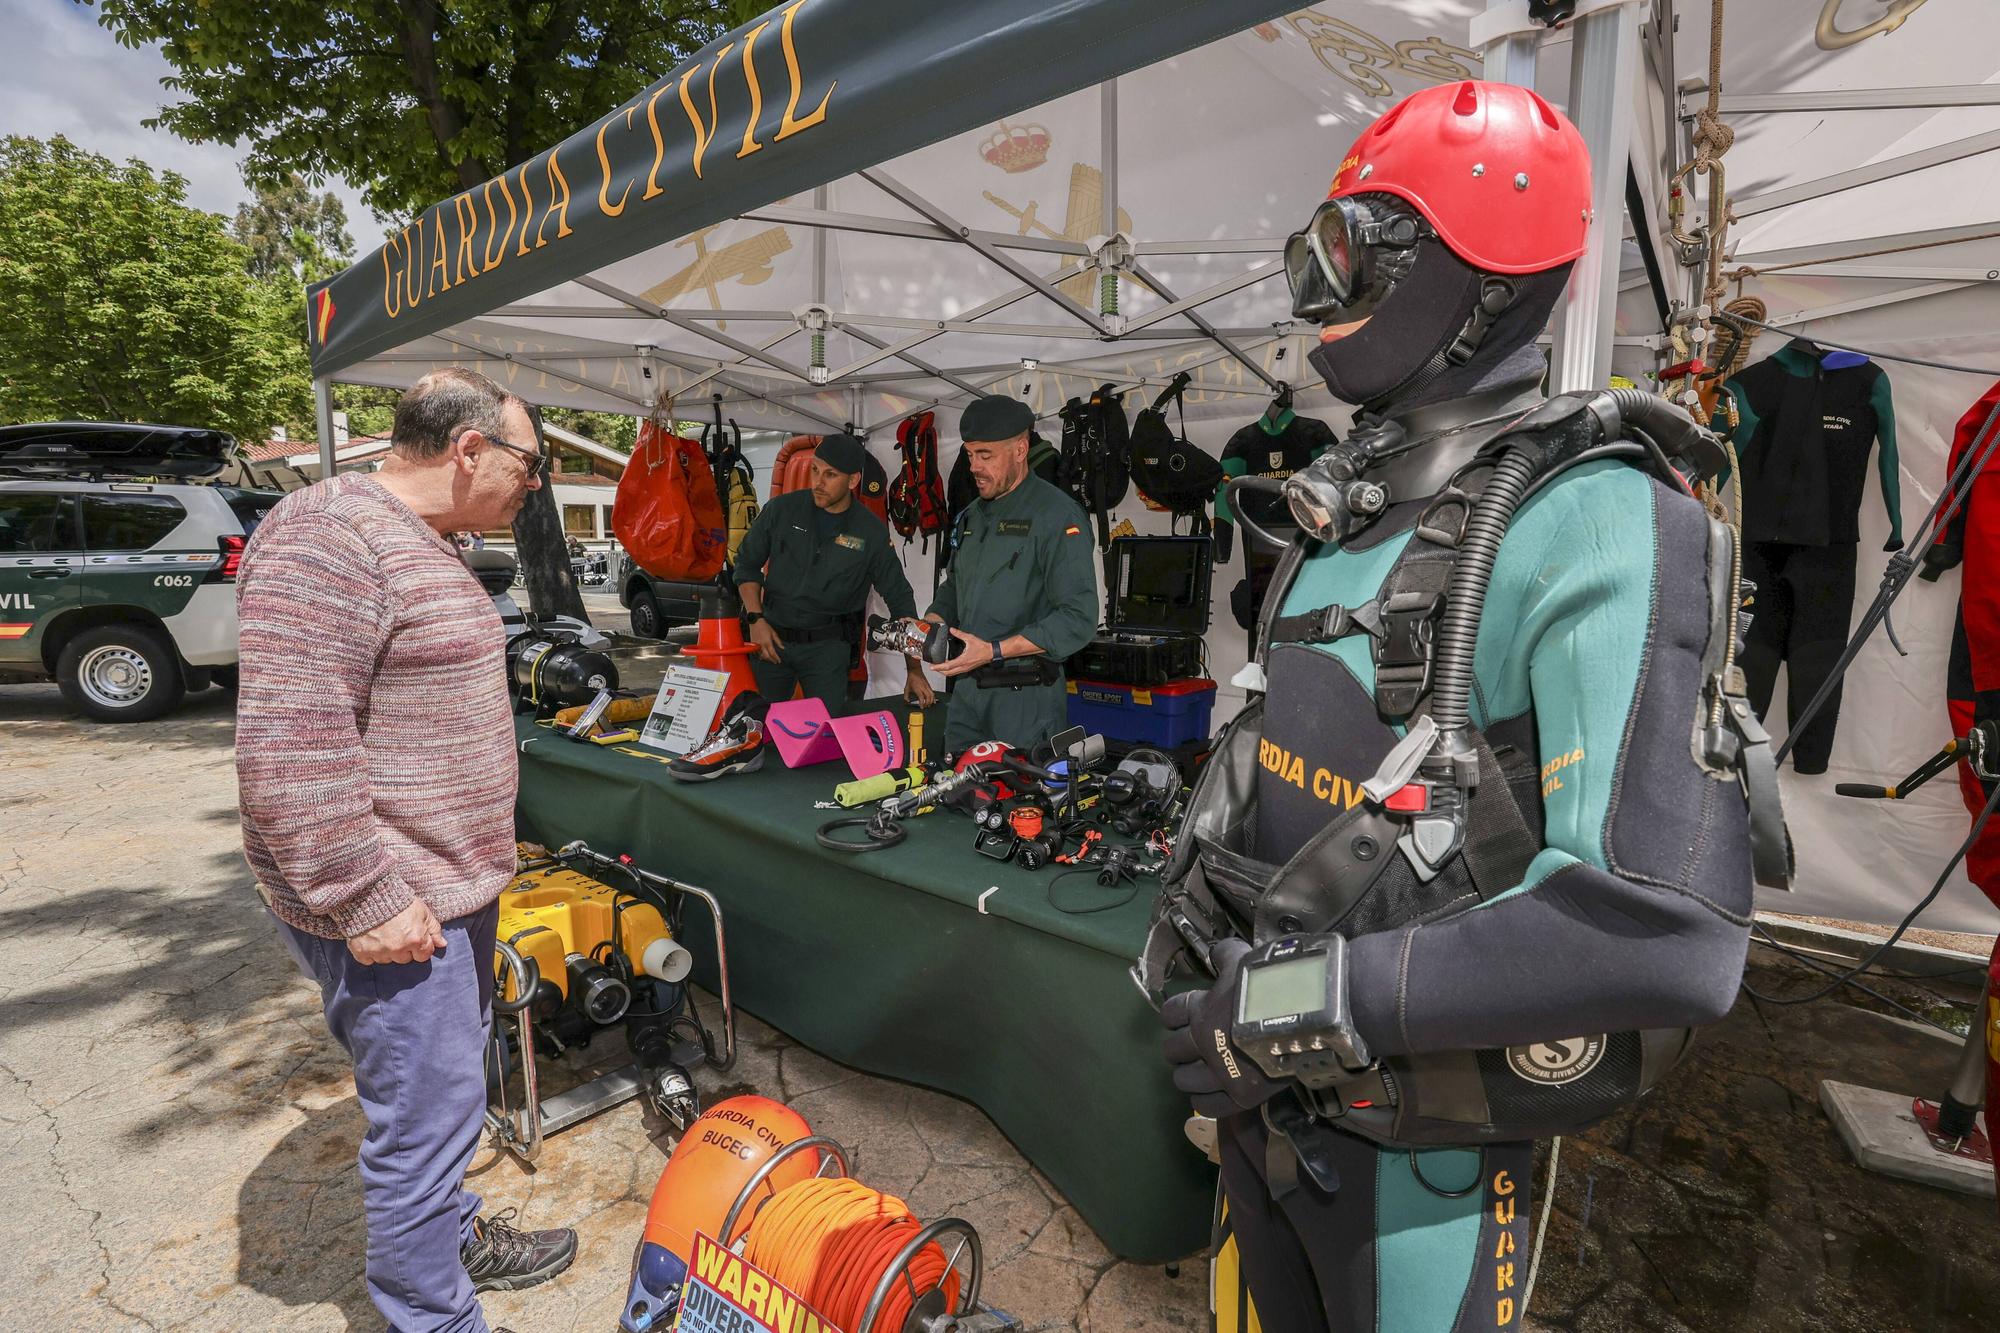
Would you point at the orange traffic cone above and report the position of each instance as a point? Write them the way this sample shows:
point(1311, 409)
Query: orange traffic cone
point(719, 644)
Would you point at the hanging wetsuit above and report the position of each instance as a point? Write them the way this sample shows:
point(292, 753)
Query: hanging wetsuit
point(1803, 436)
point(1593, 886)
point(1275, 445)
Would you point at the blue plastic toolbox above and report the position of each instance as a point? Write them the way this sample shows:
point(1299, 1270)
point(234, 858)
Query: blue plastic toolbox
point(1164, 715)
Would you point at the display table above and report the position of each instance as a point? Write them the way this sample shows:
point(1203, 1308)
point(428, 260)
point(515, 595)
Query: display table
point(891, 962)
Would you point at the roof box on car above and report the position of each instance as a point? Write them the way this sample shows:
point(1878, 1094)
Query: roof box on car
point(113, 448)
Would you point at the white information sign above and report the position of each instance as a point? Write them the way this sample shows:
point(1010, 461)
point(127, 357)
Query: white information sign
point(684, 711)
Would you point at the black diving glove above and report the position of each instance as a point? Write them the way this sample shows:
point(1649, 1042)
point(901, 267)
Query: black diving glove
point(1220, 1079)
point(1941, 556)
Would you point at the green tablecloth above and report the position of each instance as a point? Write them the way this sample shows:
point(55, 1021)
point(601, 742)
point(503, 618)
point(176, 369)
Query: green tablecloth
point(889, 962)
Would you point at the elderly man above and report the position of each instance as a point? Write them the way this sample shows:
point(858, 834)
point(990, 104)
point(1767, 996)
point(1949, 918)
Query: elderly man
point(804, 572)
point(1020, 594)
point(380, 836)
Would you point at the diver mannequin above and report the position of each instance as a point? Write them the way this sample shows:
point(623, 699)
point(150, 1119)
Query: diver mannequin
point(1481, 854)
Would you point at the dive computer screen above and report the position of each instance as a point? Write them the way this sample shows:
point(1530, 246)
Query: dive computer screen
point(1296, 986)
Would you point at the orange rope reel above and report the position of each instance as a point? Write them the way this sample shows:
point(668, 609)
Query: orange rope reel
point(831, 1240)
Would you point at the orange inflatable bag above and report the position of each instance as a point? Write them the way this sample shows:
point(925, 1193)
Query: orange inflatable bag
point(667, 514)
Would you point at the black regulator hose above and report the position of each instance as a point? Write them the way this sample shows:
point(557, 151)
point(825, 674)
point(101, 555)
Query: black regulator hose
point(1465, 598)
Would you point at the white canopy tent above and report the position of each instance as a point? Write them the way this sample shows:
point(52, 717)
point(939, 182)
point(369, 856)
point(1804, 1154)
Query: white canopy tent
point(1132, 229)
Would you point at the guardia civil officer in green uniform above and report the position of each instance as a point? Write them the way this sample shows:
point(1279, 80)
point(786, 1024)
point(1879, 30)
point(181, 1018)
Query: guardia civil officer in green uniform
point(804, 571)
point(1020, 594)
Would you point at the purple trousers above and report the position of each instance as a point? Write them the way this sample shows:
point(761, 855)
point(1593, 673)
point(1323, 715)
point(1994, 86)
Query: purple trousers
point(417, 1034)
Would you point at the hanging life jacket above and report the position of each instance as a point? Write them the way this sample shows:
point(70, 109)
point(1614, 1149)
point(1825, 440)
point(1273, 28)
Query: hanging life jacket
point(667, 514)
point(1170, 473)
point(1096, 456)
point(1372, 867)
point(916, 499)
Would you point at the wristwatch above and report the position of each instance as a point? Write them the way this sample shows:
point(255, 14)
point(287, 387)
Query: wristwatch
point(998, 651)
point(751, 617)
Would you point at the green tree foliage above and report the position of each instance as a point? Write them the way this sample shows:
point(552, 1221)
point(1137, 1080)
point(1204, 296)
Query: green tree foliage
point(292, 232)
point(119, 302)
point(413, 100)
point(607, 428)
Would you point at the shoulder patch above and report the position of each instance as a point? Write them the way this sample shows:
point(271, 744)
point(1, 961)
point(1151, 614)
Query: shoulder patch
point(1072, 530)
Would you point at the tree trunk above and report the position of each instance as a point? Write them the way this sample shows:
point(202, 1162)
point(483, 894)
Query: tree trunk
point(542, 550)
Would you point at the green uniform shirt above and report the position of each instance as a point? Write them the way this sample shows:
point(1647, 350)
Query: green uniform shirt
point(1025, 564)
point(810, 583)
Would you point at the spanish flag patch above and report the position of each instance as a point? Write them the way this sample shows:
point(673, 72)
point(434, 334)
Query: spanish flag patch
point(1071, 530)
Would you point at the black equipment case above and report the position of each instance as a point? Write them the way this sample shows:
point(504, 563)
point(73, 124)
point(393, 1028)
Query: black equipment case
point(1156, 612)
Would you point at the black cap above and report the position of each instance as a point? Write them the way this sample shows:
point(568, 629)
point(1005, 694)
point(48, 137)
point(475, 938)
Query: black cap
point(995, 417)
point(842, 453)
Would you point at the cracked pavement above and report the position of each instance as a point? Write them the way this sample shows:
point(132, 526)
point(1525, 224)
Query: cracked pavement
point(179, 1132)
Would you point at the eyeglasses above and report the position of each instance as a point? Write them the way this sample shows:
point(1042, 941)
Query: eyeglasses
point(1333, 266)
point(539, 462)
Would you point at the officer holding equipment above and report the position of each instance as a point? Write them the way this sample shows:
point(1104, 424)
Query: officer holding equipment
point(1020, 594)
point(804, 571)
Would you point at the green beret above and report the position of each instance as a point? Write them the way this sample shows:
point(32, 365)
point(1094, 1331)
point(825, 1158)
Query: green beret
point(842, 453)
point(995, 417)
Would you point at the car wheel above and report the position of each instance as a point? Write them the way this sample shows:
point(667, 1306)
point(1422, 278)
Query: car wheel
point(225, 677)
point(646, 623)
point(120, 673)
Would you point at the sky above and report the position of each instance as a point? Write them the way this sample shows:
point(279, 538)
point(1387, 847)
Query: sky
point(60, 73)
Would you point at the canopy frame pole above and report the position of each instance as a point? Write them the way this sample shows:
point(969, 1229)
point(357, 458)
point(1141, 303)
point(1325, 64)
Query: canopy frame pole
point(819, 249)
point(1605, 63)
point(539, 367)
point(681, 321)
point(824, 219)
point(1209, 331)
point(721, 366)
point(1202, 297)
point(1512, 59)
point(1852, 99)
point(1834, 251)
point(928, 404)
point(937, 330)
point(910, 199)
point(1869, 303)
point(323, 418)
point(1107, 143)
point(1854, 177)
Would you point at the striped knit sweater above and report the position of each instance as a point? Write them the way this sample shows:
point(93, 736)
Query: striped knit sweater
point(374, 739)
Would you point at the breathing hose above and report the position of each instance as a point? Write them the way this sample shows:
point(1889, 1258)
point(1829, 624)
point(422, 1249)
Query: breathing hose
point(1479, 548)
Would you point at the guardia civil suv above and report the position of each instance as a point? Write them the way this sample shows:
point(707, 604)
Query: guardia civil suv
point(117, 576)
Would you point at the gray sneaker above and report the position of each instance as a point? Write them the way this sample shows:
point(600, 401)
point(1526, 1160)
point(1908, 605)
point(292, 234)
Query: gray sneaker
point(503, 1258)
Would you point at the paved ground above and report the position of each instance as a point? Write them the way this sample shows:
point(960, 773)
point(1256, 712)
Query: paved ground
point(178, 1132)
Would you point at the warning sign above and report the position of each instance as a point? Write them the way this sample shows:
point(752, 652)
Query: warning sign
point(727, 1294)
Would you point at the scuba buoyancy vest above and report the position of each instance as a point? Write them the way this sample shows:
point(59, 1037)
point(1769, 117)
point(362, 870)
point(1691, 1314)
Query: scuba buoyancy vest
point(1449, 820)
point(916, 497)
point(1096, 456)
point(1171, 473)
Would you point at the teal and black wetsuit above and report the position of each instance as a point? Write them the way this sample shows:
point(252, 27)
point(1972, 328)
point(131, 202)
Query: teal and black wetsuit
point(1588, 671)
